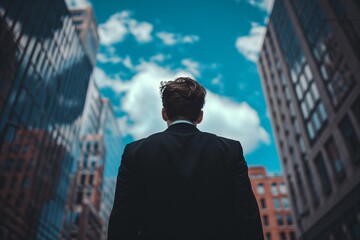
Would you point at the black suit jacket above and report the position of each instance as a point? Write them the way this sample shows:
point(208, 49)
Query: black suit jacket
point(184, 184)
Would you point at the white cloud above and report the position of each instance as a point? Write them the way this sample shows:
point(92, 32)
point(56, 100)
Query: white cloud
point(141, 30)
point(191, 66)
point(119, 25)
point(127, 62)
point(142, 104)
point(249, 45)
point(218, 82)
point(108, 56)
point(113, 30)
point(230, 119)
point(102, 80)
point(159, 57)
point(265, 5)
point(77, 3)
point(173, 39)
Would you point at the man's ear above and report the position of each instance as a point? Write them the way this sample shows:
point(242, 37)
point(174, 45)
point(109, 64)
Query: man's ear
point(200, 118)
point(164, 115)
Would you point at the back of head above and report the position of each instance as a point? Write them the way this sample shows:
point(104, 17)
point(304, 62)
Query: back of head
point(182, 98)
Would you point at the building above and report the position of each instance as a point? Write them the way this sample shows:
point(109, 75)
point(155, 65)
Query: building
point(86, 26)
point(96, 168)
point(113, 142)
point(44, 74)
point(87, 196)
point(273, 201)
point(310, 71)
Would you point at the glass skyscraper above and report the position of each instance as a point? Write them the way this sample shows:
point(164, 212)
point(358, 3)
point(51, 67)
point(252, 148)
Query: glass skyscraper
point(44, 75)
point(95, 173)
point(309, 65)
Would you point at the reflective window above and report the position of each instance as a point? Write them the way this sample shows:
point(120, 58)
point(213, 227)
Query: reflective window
point(282, 187)
point(277, 204)
point(289, 220)
point(274, 189)
point(335, 159)
point(285, 203)
point(323, 174)
point(279, 220)
point(260, 188)
point(351, 139)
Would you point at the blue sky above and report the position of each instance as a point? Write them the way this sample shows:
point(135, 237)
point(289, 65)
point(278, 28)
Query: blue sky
point(216, 42)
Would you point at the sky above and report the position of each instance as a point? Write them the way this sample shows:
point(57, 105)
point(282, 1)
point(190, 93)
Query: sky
point(216, 42)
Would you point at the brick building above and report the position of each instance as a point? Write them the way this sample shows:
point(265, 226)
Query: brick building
point(273, 200)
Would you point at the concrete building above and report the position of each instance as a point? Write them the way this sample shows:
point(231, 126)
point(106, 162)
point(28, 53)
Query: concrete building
point(44, 74)
point(273, 201)
point(310, 71)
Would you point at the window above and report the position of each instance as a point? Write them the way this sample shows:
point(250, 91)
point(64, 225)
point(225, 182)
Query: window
point(289, 220)
point(268, 236)
point(323, 174)
point(282, 187)
point(322, 112)
point(302, 145)
point(282, 236)
point(308, 72)
point(351, 140)
point(274, 189)
point(79, 197)
point(260, 188)
point(304, 110)
point(82, 179)
point(292, 236)
point(266, 220)
point(279, 220)
point(263, 203)
point(285, 203)
point(310, 130)
point(91, 179)
point(277, 203)
point(335, 160)
point(26, 182)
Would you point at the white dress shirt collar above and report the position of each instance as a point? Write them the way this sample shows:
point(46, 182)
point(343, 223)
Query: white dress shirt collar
point(181, 121)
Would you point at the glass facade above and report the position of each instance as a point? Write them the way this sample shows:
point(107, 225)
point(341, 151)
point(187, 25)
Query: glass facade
point(302, 79)
point(309, 66)
point(112, 140)
point(326, 49)
point(44, 74)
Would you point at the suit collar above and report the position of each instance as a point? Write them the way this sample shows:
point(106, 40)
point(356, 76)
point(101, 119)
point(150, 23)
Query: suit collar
point(182, 127)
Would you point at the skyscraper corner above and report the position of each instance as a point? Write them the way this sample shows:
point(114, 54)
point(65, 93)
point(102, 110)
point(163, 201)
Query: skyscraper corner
point(310, 72)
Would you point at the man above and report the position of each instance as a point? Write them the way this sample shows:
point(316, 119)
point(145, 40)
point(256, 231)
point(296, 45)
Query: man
point(183, 183)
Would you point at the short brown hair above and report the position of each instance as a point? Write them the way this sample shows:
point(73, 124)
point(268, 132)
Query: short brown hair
point(182, 98)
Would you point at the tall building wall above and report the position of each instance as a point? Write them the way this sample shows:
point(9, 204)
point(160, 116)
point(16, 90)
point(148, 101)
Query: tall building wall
point(44, 74)
point(86, 26)
point(271, 193)
point(113, 142)
point(309, 65)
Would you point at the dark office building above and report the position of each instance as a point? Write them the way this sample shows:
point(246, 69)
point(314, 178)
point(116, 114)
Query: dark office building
point(310, 70)
point(44, 74)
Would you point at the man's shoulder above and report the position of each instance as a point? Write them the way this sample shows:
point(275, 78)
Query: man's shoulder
point(160, 135)
point(221, 138)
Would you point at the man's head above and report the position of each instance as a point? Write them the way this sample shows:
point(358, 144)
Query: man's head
point(182, 99)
